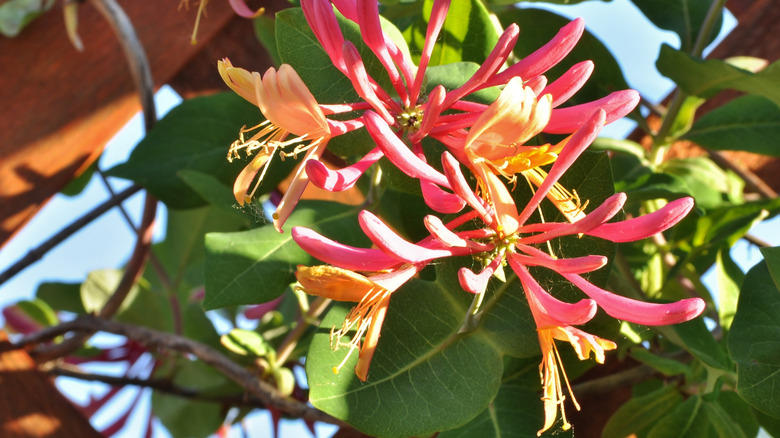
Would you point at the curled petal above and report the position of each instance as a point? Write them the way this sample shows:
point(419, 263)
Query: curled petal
point(477, 283)
point(398, 153)
point(616, 105)
point(576, 265)
point(537, 84)
point(338, 254)
point(604, 212)
point(344, 178)
point(639, 312)
point(240, 8)
point(241, 81)
point(547, 309)
point(575, 146)
point(439, 200)
point(569, 83)
point(492, 64)
point(374, 37)
point(461, 187)
point(435, 22)
point(393, 244)
point(647, 225)
point(319, 14)
point(545, 57)
point(294, 192)
point(441, 232)
point(361, 81)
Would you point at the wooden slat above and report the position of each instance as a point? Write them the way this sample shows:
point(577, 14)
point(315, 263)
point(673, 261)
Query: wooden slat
point(58, 107)
point(30, 405)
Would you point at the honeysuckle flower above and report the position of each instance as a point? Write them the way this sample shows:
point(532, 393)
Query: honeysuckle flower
point(289, 109)
point(413, 115)
point(372, 293)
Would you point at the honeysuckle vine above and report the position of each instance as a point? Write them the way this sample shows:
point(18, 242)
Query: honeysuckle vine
point(491, 142)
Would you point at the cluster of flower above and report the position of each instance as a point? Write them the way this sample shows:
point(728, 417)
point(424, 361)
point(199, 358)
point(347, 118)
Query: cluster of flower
point(487, 140)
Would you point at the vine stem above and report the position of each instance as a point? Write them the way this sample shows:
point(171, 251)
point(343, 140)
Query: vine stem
point(37, 253)
point(142, 77)
point(661, 142)
point(153, 340)
point(288, 345)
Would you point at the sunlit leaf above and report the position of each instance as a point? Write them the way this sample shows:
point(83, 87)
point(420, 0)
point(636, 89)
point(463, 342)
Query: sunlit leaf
point(255, 266)
point(747, 123)
point(705, 78)
point(754, 339)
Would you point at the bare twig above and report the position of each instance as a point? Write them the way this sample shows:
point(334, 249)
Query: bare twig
point(153, 339)
point(752, 181)
point(162, 385)
point(756, 241)
point(142, 76)
point(37, 253)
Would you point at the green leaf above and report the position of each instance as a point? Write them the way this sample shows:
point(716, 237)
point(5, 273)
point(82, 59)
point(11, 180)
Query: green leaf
point(739, 412)
point(772, 257)
point(265, 30)
point(141, 307)
point(664, 365)
point(754, 341)
point(747, 123)
point(515, 412)
point(77, 184)
point(705, 78)
point(299, 47)
point(194, 136)
point(99, 287)
point(467, 35)
point(246, 342)
point(39, 311)
point(424, 377)
point(683, 17)
point(62, 296)
point(538, 26)
point(640, 413)
point(730, 278)
point(723, 424)
point(698, 341)
point(452, 76)
point(212, 190)
point(255, 266)
point(687, 420)
point(15, 15)
point(705, 181)
point(182, 252)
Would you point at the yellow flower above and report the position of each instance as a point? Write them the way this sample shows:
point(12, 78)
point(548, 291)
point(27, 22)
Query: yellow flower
point(289, 108)
point(366, 317)
point(583, 344)
point(494, 146)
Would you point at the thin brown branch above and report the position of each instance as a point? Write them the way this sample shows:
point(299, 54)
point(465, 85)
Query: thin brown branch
point(757, 241)
point(162, 385)
point(37, 253)
point(156, 340)
point(142, 76)
point(752, 181)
